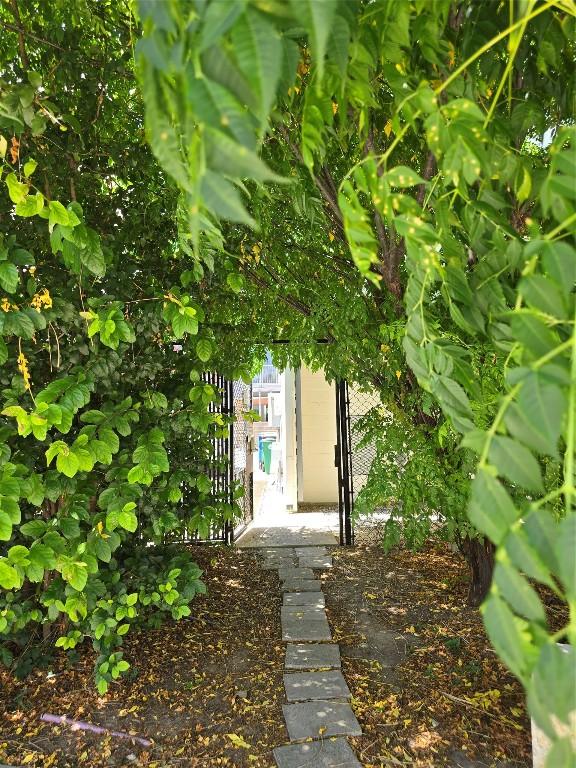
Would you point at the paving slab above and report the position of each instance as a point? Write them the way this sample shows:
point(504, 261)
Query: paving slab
point(295, 573)
point(272, 565)
point(305, 630)
point(312, 719)
point(303, 612)
point(319, 563)
point(311, 551)
point(304, 598)
point(301, 585)
point(303, 686)
point(329, 753)
point(311, 656)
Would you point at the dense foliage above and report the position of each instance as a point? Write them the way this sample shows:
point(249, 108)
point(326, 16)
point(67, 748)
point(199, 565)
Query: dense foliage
point(431, 143)
point(106, 424)
point(394, 178)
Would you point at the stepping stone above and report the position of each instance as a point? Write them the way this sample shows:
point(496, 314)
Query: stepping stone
point(295, 573)
point(311, 551)
point(311, 656)
point(302, 630)
point(315, 719)
point(329, 753)
point(303, 686)
point(301, 585)
point(304, 598)
point(272, 565)
point(318, 562)
point(300, 612)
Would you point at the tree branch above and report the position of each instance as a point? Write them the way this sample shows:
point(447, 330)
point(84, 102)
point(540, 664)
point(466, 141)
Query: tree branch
point(20, 29)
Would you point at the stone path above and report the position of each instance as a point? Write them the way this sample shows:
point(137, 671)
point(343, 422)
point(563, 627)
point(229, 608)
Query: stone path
point(318, 715)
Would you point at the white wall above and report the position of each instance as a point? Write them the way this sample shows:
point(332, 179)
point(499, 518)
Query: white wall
point(317, 475)
point(288, 440)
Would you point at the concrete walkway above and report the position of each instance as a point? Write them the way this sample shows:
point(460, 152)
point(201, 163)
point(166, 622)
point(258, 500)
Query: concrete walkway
point(291, 529)
point(317, 713)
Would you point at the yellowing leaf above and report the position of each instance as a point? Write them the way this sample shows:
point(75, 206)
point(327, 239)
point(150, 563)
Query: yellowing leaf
point(388, 128)
point(238, 741)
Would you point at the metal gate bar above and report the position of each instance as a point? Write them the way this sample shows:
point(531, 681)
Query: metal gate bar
point(343, 461)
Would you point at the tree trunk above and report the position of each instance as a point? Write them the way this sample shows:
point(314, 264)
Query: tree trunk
point(479, 554)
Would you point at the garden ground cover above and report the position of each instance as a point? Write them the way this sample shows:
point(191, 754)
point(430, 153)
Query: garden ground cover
point(427, 688)
point(207, 691)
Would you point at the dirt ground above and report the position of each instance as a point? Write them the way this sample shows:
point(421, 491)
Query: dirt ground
point(427, 688)
point(206, 690)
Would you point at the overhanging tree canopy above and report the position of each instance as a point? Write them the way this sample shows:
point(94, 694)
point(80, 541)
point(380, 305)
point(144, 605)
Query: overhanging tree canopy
point(409, 167)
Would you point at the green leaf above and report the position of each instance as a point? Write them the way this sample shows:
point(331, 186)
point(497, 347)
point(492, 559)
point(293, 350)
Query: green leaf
point(42, 555)
point(491, 509)
point(515, 462)
point(402, 177)
point(257, 49)
point(34, 529)
point(509, 635)
point(9, 578)
point(68, 464)
point(522, 598)
point(204, 349)
point(16, 189)
point(560, 262)
point(543, 294)
point(57, 214)
point(18, 324)
point(223, 199)
point(31, 205)
point(536, 417)
point(9, 277)
point(551, 693)
point(75, 573)
point(566, 554)
point(184, 322)
point(317, 16)
point(5, 526)
point(127, 519)
point(70, 527)
point(231, 158)
point(102, 549)
point(93, 259)
point(29, 167)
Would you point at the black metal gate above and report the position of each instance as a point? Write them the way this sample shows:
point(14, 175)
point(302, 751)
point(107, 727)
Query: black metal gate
point(343, 460)
point(352, 458)
point(241, 456)
point(228, 467)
